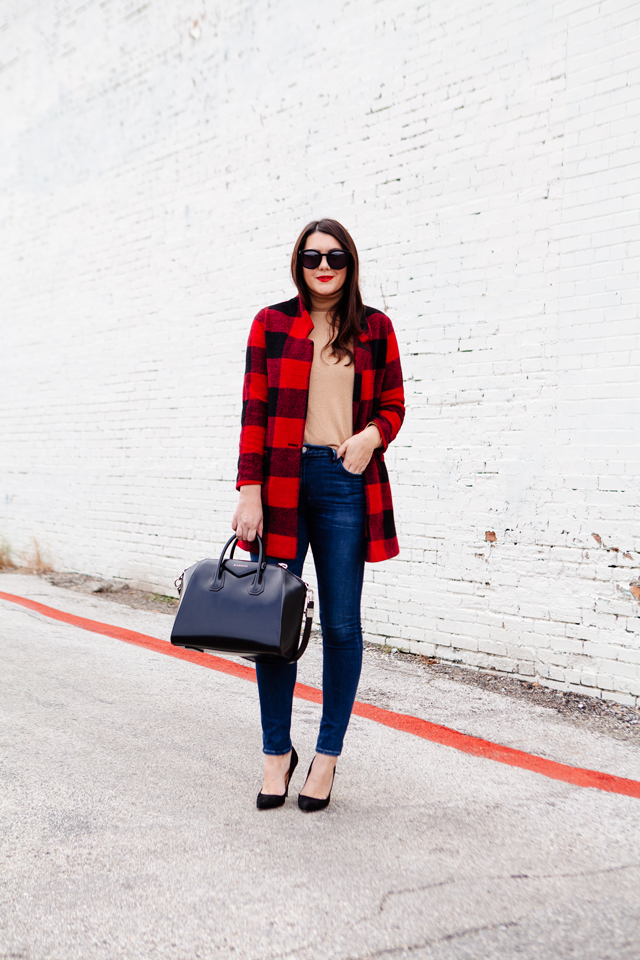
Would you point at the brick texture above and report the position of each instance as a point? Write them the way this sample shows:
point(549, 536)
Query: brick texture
point(158, 161)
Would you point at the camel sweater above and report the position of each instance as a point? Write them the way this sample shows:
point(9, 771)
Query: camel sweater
point(330, 405)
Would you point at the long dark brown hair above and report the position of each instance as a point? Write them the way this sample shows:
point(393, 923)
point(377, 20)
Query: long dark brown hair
point(346, 316)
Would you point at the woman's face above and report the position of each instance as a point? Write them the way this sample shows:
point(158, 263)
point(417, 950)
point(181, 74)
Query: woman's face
point(323, 281)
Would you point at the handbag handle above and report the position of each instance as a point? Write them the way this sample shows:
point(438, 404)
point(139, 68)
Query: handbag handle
point(218, 580)
point(257, 587)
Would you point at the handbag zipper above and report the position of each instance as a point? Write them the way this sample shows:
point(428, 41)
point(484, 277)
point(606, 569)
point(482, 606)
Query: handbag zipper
point(309, 596)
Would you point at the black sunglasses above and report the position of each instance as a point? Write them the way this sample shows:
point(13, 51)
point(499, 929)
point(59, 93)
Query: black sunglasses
point(336, 259)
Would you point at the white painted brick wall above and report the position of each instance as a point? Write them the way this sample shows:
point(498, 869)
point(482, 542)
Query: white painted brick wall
point(155, 172)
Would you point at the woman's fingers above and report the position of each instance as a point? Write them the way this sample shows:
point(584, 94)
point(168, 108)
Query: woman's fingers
point(356, 452)
point(245, 534)
point(348, 457)
point(355, 460)
point(246, 523)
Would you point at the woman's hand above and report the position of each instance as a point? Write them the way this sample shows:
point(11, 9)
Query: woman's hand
point(247, 518)
point(358, 449)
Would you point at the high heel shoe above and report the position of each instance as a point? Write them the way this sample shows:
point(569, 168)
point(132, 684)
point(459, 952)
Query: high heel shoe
point(268, 801)
point(312, 804)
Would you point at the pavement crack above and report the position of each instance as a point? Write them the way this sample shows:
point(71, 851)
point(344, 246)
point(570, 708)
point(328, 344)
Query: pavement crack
point(580, 873)
point(420, 889)
point(447, 937)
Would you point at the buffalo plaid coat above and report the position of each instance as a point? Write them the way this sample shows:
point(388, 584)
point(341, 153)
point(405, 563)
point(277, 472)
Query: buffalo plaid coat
point(274, 411)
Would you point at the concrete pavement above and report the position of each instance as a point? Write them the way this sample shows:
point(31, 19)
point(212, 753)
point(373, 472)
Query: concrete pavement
point(130, 829)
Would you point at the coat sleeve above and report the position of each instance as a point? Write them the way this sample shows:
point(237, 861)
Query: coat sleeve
point(254, 407)
point(389, 412)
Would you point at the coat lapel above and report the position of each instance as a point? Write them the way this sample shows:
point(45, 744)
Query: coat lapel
point(362, 362)
point(302, 324)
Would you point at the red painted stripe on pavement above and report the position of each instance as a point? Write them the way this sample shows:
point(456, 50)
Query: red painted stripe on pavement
point(139, 639)
point(495, 751)
point(398, 721)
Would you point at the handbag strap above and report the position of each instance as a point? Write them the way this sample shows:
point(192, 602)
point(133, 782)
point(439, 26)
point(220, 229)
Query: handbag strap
point(304, 643)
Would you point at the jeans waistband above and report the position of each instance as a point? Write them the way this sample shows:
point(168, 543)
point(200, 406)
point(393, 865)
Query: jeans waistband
point(314, 450)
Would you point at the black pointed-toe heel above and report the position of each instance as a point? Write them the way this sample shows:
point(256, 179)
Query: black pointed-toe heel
point(312, 804)
point(268, 801)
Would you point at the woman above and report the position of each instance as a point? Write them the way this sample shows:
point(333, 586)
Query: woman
point(322, 400)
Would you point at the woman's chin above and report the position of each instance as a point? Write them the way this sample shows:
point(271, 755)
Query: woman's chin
point(325, 290)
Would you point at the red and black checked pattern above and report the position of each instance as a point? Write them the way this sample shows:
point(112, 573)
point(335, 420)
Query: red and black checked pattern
point(274, 410)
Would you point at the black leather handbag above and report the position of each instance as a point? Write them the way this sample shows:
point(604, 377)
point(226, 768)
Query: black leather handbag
point(253, 609)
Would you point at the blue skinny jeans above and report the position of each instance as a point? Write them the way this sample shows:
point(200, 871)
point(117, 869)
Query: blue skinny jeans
point(331, 519)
